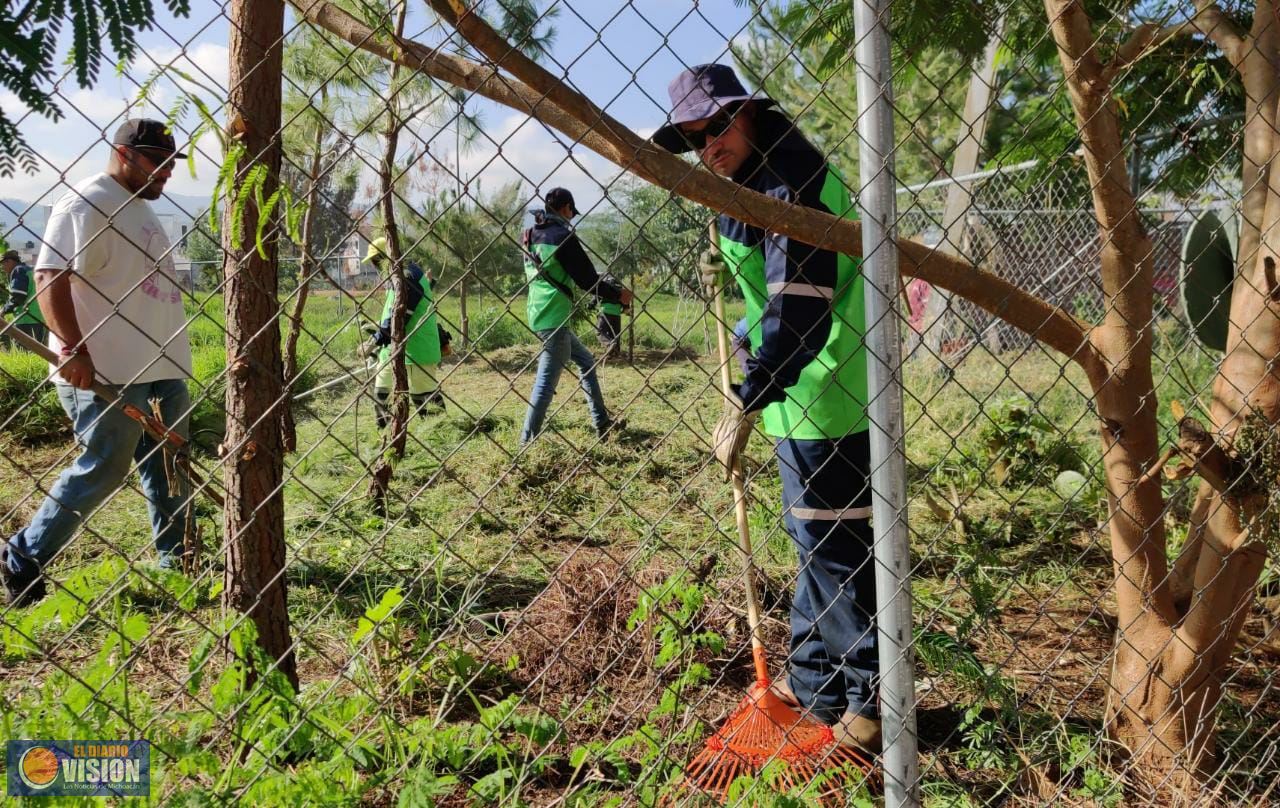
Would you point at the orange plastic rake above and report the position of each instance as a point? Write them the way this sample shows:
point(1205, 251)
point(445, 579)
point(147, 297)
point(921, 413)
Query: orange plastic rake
point(764, 730)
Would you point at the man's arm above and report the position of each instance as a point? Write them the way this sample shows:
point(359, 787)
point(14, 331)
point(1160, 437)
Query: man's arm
point(796, 323)
point(578, 264)
point(53, 293)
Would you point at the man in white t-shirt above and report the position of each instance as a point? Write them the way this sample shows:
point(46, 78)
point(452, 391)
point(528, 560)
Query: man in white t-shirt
point(107, 290)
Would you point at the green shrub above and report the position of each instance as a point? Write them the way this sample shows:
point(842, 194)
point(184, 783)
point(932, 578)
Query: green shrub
point(493, 328)
point(33, 413)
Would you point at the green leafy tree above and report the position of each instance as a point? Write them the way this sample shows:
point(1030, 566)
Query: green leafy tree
point(203, 247)
point(470, 237)
point(30, 32)
point(651, 233)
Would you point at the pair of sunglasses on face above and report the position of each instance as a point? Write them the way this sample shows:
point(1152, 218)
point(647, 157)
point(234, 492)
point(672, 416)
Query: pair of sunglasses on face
point(159, 158)
point(716, 126)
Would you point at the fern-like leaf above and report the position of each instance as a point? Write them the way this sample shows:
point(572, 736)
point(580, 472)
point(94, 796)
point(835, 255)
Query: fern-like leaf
point(264, 219)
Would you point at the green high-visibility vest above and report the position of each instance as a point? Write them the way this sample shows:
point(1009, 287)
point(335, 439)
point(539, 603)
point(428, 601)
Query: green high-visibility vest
point(547, 306)
point(829, 400)
point(611, 308)
point(422, 338)
point(23, 281)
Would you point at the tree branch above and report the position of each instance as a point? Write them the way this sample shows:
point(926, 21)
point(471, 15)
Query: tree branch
point(547, 99)
point(1208, 19)
point(1211, 21)
point(1210, 461)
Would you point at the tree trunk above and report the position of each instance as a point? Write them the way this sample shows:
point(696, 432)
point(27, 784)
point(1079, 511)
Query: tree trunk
point(1259, 68)
point(306, 271)
point(395, 440)
point(253, 462)
point(1172, 646)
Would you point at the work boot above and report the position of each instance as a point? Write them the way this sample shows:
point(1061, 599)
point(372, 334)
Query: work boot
point(610, 427)
point(858, 731)
point(19, 591)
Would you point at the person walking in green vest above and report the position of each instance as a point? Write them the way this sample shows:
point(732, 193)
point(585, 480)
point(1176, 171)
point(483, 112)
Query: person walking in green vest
point(22, 297)
point(425, 340)
point(807, 381)
point(609, 323)
point(554, 264)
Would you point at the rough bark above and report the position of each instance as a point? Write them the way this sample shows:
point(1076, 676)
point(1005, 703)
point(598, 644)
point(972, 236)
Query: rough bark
point(396, 438)
point(306, 271)
point(253, 469)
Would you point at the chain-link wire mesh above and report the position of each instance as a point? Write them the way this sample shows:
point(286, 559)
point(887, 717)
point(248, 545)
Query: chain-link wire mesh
point(544, 602)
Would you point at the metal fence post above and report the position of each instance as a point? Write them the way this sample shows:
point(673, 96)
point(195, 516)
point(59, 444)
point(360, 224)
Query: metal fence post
point(888, 461)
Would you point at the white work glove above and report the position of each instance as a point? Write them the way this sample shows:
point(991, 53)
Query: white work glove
point(731, 433)
point(712, 270)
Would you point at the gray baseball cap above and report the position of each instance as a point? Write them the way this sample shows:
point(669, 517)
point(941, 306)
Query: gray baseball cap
point(698, 93)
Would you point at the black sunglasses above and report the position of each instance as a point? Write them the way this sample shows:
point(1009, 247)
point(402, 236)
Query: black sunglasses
point(716, 126)
point(160, 158)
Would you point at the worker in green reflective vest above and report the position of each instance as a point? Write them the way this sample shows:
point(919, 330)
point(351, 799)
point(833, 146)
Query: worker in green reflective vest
point(806, 379)
point(425, 341)
point(554, 264)
point(22, 303)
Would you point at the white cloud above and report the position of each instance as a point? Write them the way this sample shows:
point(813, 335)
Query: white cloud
point(207, 63)
point(522, 149)
point(74, 147)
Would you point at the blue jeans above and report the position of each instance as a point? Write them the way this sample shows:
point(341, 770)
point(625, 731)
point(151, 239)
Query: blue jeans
point(834, 662)
point(110, 442)
point(559, 346)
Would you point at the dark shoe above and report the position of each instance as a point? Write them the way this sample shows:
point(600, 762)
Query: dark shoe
point(19, 591)
point(608, 427)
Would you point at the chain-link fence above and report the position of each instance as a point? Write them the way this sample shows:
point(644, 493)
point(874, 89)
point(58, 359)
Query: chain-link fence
point(307, 511)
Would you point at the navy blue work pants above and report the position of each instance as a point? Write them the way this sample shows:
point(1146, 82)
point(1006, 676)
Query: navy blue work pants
point(834, 663)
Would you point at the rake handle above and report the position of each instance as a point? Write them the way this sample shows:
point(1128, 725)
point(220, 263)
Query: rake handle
point(153, 426)
point(150, 424)
point(739, 481)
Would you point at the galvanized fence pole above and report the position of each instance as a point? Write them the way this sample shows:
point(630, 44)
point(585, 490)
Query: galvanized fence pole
point(888, 459)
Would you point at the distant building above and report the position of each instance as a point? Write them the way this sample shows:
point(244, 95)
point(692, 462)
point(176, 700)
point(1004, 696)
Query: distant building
point(22, 224)
point(352, 271)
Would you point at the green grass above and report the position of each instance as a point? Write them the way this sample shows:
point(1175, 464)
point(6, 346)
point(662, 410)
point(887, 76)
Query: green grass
point(403, 702)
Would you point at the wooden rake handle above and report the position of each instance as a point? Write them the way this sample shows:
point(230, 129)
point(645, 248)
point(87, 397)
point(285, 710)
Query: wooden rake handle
point(150, 424)
point(739, 481)
point(153, 426)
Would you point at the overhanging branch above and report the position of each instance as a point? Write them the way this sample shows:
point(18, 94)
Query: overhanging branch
point(1208, 19)
point(535, 92)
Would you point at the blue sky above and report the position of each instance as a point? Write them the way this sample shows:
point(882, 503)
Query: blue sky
point(620, 54)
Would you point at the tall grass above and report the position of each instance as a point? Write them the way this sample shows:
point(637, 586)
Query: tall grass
point(330, 343)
